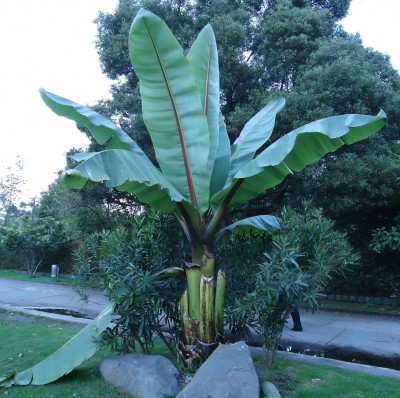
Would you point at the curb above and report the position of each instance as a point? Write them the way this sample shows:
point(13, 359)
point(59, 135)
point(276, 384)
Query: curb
point(42, 314)
point(354, 367)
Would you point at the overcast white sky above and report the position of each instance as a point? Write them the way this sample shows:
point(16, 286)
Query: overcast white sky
point(50, 44)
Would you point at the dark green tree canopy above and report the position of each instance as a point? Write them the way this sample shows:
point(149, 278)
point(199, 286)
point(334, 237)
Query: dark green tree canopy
point(337, 8)
point(261, 44)
point(289, 47)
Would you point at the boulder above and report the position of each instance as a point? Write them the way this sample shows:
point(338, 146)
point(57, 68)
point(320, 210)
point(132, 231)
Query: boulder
point(228, 373)
point(270, 391)
point(144, 376)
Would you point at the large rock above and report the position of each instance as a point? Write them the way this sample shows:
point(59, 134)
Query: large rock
point(270, 391)
point(228, 373)
point(144, 376)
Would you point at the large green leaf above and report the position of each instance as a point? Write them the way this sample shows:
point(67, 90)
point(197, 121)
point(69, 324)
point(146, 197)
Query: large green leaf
point(124, 165)
point(172, 109)
point(254, 135)
point(203, 59)
point(81, 347)
point(125, 171)
point(222, 160)
point(296, 150)
point(256, 225)
point(103, 130)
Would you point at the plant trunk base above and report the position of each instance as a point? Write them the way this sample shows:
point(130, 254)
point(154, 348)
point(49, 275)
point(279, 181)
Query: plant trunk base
point(192, 356)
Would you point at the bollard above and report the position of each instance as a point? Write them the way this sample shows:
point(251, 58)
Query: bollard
point(54, 271)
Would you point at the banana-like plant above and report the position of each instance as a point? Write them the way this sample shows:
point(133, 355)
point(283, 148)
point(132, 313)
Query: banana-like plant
point(200, 175)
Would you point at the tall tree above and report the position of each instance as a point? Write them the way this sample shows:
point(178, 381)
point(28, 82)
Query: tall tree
point(288, 36)
point(358, 187)
point(11, 181)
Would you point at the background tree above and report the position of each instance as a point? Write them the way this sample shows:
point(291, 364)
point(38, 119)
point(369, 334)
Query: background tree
point(357, 187)
point(10, 187)
point(36, 241)
point(297, 48)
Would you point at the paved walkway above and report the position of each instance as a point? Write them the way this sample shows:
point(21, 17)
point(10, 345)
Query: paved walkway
point(379, 335)
point(370, 335)
point(25, 295)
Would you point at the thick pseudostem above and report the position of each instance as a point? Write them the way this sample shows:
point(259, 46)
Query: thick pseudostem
point(202, 312)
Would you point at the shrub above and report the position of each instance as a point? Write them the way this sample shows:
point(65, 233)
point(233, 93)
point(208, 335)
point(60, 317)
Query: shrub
point(129, 259)
point(297, 267)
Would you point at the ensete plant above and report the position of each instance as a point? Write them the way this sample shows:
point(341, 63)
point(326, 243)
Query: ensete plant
point(200, 175)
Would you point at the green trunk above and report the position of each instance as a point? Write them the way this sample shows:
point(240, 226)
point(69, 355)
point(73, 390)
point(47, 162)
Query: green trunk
point(193, 276)
point(219, 304)
point(208, 264)
point(184, 304)
point(190, 326)
point(206, 326)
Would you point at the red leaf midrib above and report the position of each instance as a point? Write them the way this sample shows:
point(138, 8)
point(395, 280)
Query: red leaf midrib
point(179, 128)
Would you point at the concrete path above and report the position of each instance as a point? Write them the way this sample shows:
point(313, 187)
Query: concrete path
point(379, 335)
point(374, 336)
point(25, 295)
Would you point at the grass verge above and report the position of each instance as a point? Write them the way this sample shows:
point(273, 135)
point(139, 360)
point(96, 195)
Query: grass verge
point(301, 380)
point(24, 342)
point(366, 308)
point(41, 277)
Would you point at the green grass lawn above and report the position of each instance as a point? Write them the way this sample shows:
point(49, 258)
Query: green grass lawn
point(367, 308)
point(301, 380)
point(41, 277)
point(23, 343)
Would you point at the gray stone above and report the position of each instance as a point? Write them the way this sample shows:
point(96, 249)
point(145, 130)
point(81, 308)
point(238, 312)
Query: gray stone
point(228, 373)
point(270, 391)
point(144, 376)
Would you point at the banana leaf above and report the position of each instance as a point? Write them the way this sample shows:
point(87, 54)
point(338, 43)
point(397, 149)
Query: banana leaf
point(172, 108)
point(81, 347)
point(203, 59)
point(123, 165)
point(254, 135)
point(296, 150)
point(257, 225)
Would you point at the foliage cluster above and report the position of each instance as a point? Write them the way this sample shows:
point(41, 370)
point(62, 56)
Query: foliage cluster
point(294, 269)
point(32, 241)
point(388, 239)
point(266, 275)
point(201, 176)
point(129, 259)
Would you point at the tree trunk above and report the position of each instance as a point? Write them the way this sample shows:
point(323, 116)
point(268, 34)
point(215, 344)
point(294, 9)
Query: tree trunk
point(202, 311)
